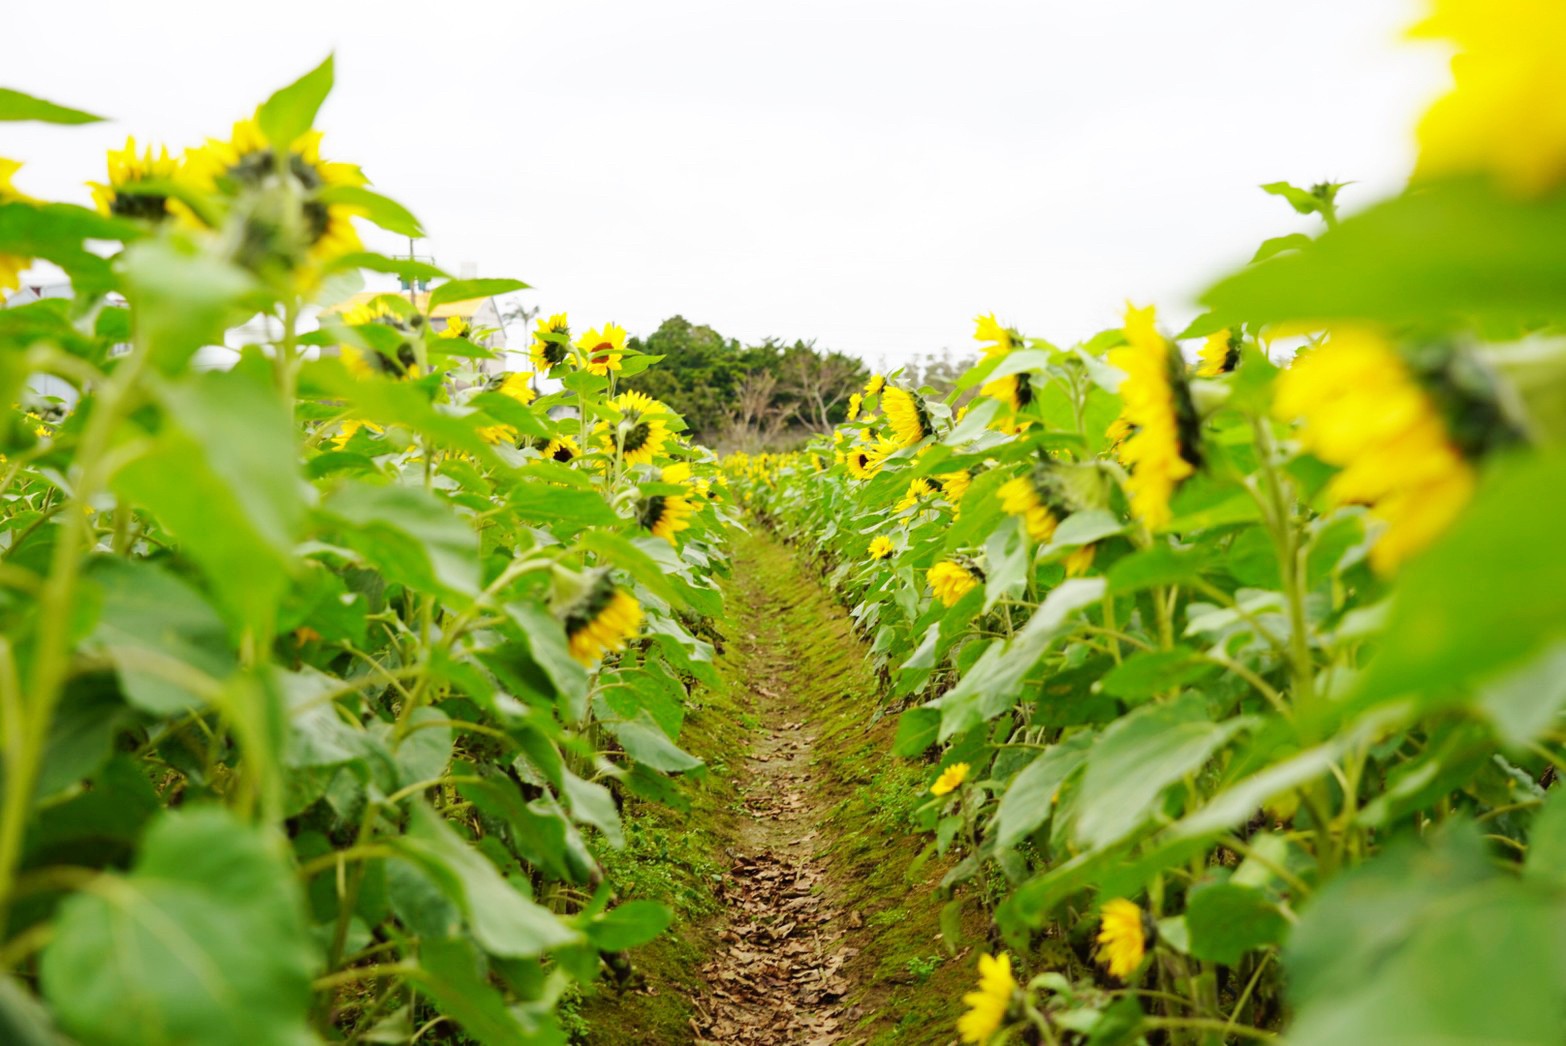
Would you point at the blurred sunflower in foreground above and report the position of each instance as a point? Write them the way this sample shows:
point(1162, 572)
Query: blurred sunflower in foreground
point(1156, 432)
point(11, 265)
point(601, 620)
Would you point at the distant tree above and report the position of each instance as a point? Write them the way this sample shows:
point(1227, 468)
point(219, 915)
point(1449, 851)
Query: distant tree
point(821, 382)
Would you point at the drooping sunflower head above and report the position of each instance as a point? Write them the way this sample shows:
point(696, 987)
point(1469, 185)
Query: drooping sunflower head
point(881, 547)
point(950, 778)
point(854, 402)
point(865, 459)
point(398, 359)
point(561, 448)
point(1032, 498)
point(1164, 446)
point(601, 620)
point(602, 352)
point(665, 515)
point(907, 416)
point(918, 490)
point(517, 384)
point(953, 578)
point(642, 430)
point(551, 342)
point(874, 386)
point(129, 169)
point(994, 337)
point(11, 265)
point(1220, 354)
point(989, 1005)
point(1014, 390)
point(1124, 933)
point(280, 194)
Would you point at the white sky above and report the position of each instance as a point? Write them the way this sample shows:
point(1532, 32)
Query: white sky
point(869, 174)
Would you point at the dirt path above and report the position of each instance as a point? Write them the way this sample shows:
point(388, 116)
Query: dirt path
point(777, 975)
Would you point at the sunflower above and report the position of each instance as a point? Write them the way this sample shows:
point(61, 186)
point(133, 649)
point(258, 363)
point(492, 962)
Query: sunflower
point(951, 579)
point(665, 515)
point(517, 386)
point(918, 490)
point(1220, 354)
point(1506, 116)
point(854, 401)
point(1364, 411)
point(457, 328)
point(602, 352)
point(397, 364)
point(551, 342)
point(562, 448)
point(1029, 498)
point(249, 162)
point(950, 778)
point(601, 620)
point(1156, 406)
point(129, 168)
point(995, 338)
point(1014, 390)
point(642, 431)
point(350, 428)
point(881, 547)
point(874, 386)
point(1122, 938)
point(988, 1006)
point(11, 265)
point(906, 414)
point(955, 484)
point(865, 459)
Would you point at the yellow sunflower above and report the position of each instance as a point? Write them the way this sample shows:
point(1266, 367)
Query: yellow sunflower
point(457, 328)
point(1122, 938)
point(906, 414)
point(127, 167)
point(516, 385)
point(1364, 412)
point(561, 448)
point(1014, 390)
point(602, 352)
point(876, 383)
point(248, 162)
point(397, 364)
point(854, 401)
point(881, 547)
point(601, 621)
point(642, 431)
point(350, 427)
point(951, 580)
point(11, 265)
point(551, 342)
point(665, 515)
point(950, 778)
point(995, 338)
point(918, 490)
point(988, 1006)
point(865, 459)
point(1023, 498)
point(1219, 355)
point(1161, 450)
point(954, 485)
point(1506, 117)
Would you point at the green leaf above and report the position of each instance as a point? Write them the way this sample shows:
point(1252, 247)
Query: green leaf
point(1278, 244)
point(1030, 798)
point(14, 105)
point(1149, 672)
point(917, 729)
point(181, 299)
point(1162, 564)
point(628, 925)
point(1547, 841)
point(1137, 757)
point(637, 559)
point(467, 290)
point(407, 268)
point(410, 535)
point(291, 111)
point(644, 741)
point(593, 804)
point(381, 210)
point(1226, 921)
point(1302, 200)
point(155, 628)
point(205, 935)
point(500, 918)
point(452, 973)
point(24, 1021)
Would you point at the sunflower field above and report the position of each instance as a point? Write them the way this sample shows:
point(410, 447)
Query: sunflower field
point(1236, 652)
point(317, 671)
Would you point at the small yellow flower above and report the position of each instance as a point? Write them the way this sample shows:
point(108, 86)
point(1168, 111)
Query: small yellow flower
point(127, 167)
point(918, 490)
point(1014, 390)
point(399, 364)
point(602, 352)
point(1219, 355)
point(881, 547)
point(1021, 497)
point(551, 342)
point(988, 1006)
point(1507, 115)
point(950, 778)
point(854, 402)
point(601, 621)
point(951, 580)
point(1363, 411)
point(876, 383)
point(906, 414)
point(1122, 941)
point(457, 329)
point(350, 427)
point(865, 459)
point(954, 485)
point(1156, 409)
point(995, 338)
point(11, 265)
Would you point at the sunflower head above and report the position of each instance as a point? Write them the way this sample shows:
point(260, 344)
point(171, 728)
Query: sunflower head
point(601, 620)
point(561, 448)
point(398, 359)
point(950, 778)
point(1163, 447)
point(457, 328)
point(1032, 498)
point(551, 342)
point(665, 515)
point(11, 265)
point(1124, 933)
point(602, 351)
point(918, 490)
point(864, 460)
point(854, 402)
point(874, 386)
point(990, 1004)
point(517, 384)
point(1220, 354)
point(642, 430)
point(1014, 390)
point(954, 485)
point(881, 547)
point(994, 337)
point(129, 169)
point(953, 578)
point(907, 416)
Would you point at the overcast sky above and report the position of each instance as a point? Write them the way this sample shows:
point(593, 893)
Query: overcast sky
point(868, 174)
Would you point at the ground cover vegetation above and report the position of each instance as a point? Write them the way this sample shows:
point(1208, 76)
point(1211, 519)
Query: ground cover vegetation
point(1235, 651)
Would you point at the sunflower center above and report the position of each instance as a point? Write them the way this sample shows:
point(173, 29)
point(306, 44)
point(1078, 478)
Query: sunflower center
point(602, 352)
point(637, 437)
point(147, 206)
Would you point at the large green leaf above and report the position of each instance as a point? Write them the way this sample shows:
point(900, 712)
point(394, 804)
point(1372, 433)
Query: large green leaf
point(14, 105)
point(467, 290)
point(291, 111)
point(1030, 798)
point(413, 537)
point(205, 935)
